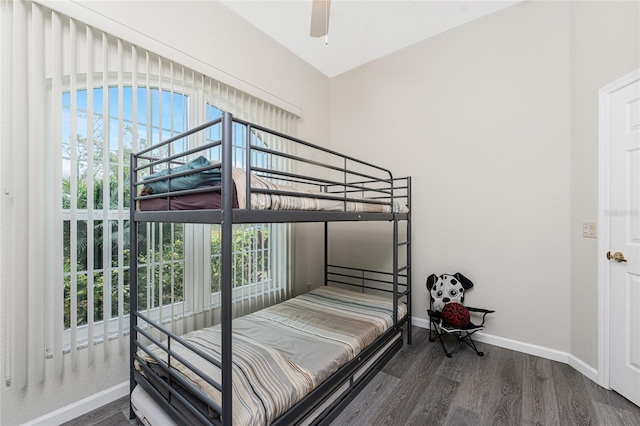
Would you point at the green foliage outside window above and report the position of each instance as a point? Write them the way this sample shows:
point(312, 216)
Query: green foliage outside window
point(250, 262)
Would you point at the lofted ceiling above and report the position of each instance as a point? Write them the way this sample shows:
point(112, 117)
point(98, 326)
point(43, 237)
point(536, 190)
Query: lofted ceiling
point(359, 30)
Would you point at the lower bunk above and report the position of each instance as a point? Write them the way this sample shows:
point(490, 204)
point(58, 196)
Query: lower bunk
point(297, 362)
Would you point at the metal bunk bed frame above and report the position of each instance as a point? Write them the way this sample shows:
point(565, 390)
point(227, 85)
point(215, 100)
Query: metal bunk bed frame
point(227, 216)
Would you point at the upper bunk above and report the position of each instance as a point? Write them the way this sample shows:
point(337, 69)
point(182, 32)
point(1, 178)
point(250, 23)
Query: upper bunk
point(229, 169)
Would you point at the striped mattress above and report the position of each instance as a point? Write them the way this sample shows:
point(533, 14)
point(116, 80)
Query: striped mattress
point(283, 352)
point(304, 201)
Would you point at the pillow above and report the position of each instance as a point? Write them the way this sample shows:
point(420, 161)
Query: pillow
point(190, 181)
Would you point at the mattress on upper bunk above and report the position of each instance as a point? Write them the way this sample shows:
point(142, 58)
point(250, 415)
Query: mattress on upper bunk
point(305, 201)
point(283, 352)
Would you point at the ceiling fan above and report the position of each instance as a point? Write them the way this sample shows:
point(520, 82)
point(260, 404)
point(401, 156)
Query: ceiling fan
point(320, 18)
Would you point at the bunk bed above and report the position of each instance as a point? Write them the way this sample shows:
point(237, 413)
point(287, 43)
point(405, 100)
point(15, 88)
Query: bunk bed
point(297, 362)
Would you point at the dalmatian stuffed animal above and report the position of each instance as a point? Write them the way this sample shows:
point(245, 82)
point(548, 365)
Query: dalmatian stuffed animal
point(447, 288)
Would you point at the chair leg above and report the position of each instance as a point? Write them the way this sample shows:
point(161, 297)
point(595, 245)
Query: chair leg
point(431, 338)
point(447, 353)
point(469, 341)
point(438, 336)
point(462, 337)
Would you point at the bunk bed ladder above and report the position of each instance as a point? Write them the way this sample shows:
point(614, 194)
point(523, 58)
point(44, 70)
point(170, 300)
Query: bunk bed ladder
point(402, 271)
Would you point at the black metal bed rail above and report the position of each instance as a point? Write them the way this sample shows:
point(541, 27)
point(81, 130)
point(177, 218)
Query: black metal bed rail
point(172, 393)
point(178, 339)
point(322, 185)
point(180, 136)
point(273, 173)
point(361, 285)
point(310, 145)
point(303, 409)
point(360, 190)
point(322, 182)
point(358, 184)
point(387, 182)
point(368, 279)
point(173, 377)
point(200, 190)
point(394, 193)
point(171, 374)
point(372, 180)
point(320, 196)
point(364, 270)
point(172, 175)
point(363, 279)
point(172, 354)
point(311, 162)
point(169, 159)
point(152, 158)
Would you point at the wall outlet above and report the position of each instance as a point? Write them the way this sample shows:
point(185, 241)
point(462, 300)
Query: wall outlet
point(589, 229)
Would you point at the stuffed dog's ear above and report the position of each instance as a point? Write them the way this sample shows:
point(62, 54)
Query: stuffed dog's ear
point(466, 282)
point(431, 280)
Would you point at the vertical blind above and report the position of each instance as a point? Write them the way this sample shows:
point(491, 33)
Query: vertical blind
point(65, 203)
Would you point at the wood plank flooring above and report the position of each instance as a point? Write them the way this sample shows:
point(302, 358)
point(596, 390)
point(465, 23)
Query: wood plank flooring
point(420, 386)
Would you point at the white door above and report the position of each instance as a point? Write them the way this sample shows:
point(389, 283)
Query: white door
point(624, 267)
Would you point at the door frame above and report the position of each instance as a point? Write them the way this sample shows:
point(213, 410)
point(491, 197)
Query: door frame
point(604, 221)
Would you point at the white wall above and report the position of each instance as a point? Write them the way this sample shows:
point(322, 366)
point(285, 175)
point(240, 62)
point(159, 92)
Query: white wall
point(605, 45)
point(213, 34)
point(479, 117)
point(497, 123)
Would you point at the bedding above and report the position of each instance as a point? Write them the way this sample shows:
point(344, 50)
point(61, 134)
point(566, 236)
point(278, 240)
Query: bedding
point(188, 181)
point(260, 201)
point(283, 352)
point(205, 200)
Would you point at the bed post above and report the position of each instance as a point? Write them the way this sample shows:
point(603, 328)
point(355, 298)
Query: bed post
point(326, 253)
point(395, 269)
point(226, 250)
point(409, 323)
point(133, 279)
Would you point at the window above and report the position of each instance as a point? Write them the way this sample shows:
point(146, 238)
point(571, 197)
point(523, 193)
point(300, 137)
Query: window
point(97, 141)
point(251, 262)
point(77, 101)
point(95, 199)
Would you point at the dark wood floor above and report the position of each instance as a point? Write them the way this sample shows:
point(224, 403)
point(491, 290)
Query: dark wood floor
point(420, 386)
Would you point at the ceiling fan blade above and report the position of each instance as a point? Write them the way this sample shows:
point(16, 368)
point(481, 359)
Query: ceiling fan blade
point(320, 17)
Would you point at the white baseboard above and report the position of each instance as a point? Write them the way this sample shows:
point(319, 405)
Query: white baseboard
point(582, 367)
point(81, 407)
point(528, 348)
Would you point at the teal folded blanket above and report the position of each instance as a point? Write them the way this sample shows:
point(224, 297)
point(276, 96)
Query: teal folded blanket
point(190, 181)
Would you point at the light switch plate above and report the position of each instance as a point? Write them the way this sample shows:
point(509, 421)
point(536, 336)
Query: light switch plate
point(589, 229)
